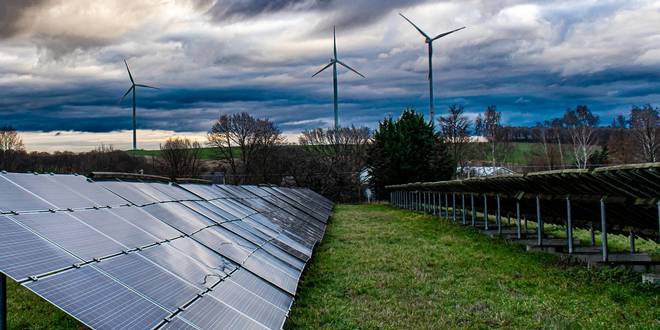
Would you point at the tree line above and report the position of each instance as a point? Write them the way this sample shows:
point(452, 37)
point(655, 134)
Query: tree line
point(341, 163)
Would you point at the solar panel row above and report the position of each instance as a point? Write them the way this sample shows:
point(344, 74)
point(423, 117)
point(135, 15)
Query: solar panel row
point(118, 254)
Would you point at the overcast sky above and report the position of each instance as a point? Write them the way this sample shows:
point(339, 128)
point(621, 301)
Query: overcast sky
point(61, 60)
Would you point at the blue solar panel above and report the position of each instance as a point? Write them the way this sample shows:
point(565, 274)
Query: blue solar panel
point(209, 313)
point(148, 261)
point(116, 228)
point(14, 198)
point(184, 266)
point(179, 217)
point(152, 281)
point(142, 219)
point(71, 234)
point(23, 254)
point(98, 301)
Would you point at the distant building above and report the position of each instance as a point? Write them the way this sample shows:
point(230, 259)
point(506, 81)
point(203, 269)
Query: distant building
point(481, 171)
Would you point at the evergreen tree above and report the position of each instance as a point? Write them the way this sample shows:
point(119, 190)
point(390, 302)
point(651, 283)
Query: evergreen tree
point(407, 150)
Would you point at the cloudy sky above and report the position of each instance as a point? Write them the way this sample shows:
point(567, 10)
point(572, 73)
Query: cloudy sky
point(61, 63)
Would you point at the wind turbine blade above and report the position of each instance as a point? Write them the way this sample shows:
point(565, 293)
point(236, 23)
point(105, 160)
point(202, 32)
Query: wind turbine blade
point(146, 86)
point(446, 33)
point(348, 67)
point(416, 27)
point(325, 67)
point(334, 40)
point(129, 72)
point(127, 92)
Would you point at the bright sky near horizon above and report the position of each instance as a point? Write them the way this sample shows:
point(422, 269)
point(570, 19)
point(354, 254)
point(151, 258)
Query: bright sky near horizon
point(61, 66)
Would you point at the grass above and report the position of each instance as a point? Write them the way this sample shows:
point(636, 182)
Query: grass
point(25, 310)
point(379, 267)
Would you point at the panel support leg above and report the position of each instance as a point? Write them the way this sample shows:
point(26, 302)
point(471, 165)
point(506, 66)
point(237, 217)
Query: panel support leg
point(463, 208)
point(446, 207)
point(3, 301)
point(632, 242)
point(474, 211)
point(603, 228)
point(453, 207)
point(518, 234)
point(498, 217)
point(539, 222)
point(485, 212)
point(569, 225)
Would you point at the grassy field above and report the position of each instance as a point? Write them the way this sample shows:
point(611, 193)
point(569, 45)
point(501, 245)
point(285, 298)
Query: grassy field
point(206, 154)
point(384, 268)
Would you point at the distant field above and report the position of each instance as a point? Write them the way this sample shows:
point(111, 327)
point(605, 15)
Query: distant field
point(206, 154)
point(521, 152)
point(382, 268)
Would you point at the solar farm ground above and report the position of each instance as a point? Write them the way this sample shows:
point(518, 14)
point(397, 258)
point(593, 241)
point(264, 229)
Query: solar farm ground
point(380, 267)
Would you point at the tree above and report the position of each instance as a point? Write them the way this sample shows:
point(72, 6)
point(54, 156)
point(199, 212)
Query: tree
point(11, 145)
point(557, 126)
point(407, 150)
point(644, 122)
point(334, 161)
point(581, 125)
point(181, 157)
point(620, 142)
point(249, 137)
point(454, 130)
point(491, 128)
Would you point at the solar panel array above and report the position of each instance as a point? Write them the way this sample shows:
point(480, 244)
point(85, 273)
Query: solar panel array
point(631, 194)
point(134, 254)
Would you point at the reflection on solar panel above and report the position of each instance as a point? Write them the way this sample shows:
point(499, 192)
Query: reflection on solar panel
point(138, 254)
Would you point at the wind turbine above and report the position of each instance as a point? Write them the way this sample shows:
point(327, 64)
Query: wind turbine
point(333, 62)
point(132, 89)
point(430, 41)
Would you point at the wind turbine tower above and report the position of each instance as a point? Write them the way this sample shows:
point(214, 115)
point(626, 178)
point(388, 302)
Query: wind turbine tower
point(430, 41)
point(133, 88)
point(333, 62)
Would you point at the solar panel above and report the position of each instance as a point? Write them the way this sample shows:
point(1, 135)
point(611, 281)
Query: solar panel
point(56, 194)
point(250, 303)
point(184, 266)
point(129, 193)
point(97, 300)
point(118, 254)
point(210, 313)
point(152, 281)
point(179, 217)
point(13, 198)
point(142, 219)
point(262, 288)
point(90, 190)
point(116, 228)
point(70, 234)
point(23, 254)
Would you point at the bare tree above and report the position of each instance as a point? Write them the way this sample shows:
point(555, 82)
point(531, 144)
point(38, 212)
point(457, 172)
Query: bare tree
point(181, 157)
point(454, 129)
point(557, 126)
point(11, 145)
point(334, 161)
point(241, 139)
point(644, 122)
point(581, 124)
point(490, 127)
point(542, 133)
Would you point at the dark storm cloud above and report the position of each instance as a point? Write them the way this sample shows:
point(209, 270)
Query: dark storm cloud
point(11, 12)
point(533, 61)
point(344, 13)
